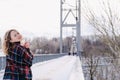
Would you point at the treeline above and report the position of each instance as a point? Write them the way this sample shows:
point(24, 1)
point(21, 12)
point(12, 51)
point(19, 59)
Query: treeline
point(90, 45)
point(93, 46)
point(43, 45)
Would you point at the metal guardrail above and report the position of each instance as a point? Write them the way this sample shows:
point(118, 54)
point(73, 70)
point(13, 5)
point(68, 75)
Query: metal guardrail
point(37, 58)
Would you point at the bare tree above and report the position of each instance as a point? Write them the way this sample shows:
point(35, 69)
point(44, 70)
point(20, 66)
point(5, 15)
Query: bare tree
point(44, 45)
point(35, 44)
point(55, 43)
point(67, 44)
point(91, 63)
point(106, 23)
point(39, 43)
point(106, 20)
point(90, 59)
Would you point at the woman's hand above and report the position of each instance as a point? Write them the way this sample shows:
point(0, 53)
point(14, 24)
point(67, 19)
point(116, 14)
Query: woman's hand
point(26, 45)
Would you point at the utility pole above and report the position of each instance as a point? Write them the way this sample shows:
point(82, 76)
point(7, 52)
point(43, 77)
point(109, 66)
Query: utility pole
point(67, 11)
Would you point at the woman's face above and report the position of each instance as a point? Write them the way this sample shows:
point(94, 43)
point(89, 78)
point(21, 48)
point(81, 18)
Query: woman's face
point(15, 36)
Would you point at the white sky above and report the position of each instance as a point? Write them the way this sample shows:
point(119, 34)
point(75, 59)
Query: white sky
point(32, 17)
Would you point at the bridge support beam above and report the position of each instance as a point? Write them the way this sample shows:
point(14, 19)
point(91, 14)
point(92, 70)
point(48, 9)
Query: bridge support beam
point(63, 20)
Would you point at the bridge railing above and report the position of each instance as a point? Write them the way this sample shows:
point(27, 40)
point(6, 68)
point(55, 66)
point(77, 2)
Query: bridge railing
point(37, 58)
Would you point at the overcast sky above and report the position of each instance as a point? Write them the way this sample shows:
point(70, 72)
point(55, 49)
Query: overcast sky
point(33, 17)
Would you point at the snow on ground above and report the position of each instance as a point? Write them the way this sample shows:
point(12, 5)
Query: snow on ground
point(77, 72)
point(63, 68)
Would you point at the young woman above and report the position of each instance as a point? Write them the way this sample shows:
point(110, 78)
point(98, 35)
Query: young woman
point(18, 57)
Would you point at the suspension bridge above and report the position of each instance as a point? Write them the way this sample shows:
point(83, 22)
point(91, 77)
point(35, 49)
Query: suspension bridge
point(60, 66)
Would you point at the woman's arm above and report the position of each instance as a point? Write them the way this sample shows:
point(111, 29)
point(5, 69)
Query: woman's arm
point(27, 57)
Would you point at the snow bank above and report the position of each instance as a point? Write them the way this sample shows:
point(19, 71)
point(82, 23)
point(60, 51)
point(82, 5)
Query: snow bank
point(77, 72)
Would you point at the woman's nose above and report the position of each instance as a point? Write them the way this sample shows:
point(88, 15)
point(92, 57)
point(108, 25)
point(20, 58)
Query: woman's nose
point(19, 36)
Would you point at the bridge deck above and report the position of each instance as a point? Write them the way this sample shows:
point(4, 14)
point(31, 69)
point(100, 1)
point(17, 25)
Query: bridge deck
point(63, 68)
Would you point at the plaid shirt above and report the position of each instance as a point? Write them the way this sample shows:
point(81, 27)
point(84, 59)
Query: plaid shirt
point(18, 63)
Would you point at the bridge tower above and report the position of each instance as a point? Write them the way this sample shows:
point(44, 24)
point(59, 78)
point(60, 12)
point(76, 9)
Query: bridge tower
point(70, 17)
